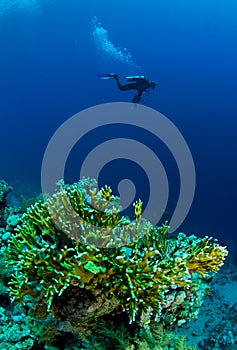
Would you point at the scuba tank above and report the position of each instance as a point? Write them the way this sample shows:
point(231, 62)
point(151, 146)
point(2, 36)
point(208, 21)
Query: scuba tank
point(135, 78)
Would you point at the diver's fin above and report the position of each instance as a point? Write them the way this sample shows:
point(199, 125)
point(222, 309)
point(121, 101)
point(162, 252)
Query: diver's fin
point(106, 75)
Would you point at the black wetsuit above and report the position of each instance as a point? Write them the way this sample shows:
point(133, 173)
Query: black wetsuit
point(141, 85)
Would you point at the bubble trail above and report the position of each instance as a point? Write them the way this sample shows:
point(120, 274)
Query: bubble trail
point(105, 46)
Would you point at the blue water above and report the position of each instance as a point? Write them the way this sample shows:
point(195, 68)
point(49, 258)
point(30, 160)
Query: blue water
point(48, 72)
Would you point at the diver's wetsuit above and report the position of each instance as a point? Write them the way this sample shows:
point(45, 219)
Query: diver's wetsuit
point(140, 85)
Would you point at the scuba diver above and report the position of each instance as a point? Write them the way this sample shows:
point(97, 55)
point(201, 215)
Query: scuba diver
point(139, 83)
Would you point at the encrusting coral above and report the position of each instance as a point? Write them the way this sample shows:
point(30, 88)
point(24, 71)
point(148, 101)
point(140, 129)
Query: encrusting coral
point(79, 261)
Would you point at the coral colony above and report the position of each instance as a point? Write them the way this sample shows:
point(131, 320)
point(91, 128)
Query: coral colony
point(79, 262)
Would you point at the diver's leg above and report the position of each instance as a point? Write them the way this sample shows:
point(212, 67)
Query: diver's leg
point(124, 87)
point(137, 98)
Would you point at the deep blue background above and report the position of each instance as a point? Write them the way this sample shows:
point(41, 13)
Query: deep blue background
point(48, 66)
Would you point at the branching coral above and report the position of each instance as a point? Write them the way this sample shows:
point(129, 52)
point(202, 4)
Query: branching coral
point(75, 255)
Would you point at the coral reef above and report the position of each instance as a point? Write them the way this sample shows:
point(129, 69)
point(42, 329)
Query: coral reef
point(4, 190)
point(5, 274)
point(216, 327)
point(6, 210)
point(76, 262)
point(7, 224)
point(14, 331)
point(107, 336)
